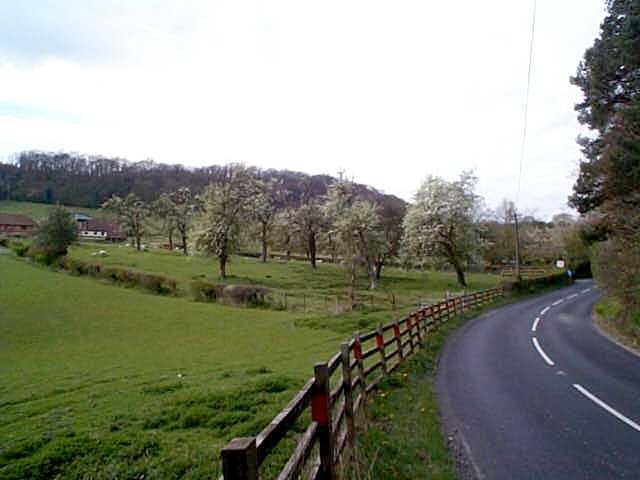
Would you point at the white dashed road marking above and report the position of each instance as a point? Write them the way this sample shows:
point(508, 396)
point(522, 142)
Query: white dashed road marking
point(544, 356)
point(609, 409)
point(544, 310)
point(557, 302)
point(535, 324)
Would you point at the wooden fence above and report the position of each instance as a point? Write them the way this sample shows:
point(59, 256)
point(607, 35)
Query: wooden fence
point(358, 369)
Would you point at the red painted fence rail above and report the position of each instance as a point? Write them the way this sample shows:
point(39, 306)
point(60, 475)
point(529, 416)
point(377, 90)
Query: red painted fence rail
point(361, 363)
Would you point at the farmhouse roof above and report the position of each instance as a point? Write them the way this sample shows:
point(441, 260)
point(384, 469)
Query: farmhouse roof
point(13, 219)
point(102, 225)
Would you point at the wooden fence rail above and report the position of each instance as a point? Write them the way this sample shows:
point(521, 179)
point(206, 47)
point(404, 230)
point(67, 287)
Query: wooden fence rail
point(361, 364)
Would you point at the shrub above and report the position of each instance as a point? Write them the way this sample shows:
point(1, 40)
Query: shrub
point(4, 242)
point(530, 285)
point(156, 283)
point(244, 294)
point(206, 292)
point(19, 248)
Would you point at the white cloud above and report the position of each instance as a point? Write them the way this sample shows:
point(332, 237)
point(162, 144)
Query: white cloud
point(389, 91)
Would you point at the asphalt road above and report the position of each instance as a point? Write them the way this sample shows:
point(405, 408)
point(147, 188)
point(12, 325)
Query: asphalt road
point(554, 400)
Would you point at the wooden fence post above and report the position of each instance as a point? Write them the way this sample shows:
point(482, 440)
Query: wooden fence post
point(380, 344)
point(348, 396)
point(357, 353)
point(409, 329)
point(321, 413)
point(240, 459)
point(416, 322)
point(396, 333)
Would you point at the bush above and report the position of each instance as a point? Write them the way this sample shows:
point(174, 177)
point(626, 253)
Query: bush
point(4, 242)
point(153, 283)
point(156, 283)
point(530, 285)
point(206, 292)
point(19, 248)
point(244, 294)
point(233, 294)
point(616, 266)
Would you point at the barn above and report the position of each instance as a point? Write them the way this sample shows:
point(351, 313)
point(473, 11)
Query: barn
point(100, 229)
point(16, 225)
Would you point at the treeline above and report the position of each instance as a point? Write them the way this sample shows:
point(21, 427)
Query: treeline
point(89, 180)
point(607, 191)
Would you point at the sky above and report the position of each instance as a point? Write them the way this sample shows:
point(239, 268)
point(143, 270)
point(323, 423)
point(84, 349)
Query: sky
point(386, 91)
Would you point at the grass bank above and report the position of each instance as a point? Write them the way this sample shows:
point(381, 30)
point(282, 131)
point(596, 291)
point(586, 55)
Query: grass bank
point(108, 382)
point(320, 291)
point(611, 317)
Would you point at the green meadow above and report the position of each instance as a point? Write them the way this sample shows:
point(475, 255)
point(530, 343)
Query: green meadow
point(306, 290)
point(105, 382)
point(39, 211)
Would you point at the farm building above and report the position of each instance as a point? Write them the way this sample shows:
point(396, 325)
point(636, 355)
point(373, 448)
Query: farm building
point(100, 229)
point(16, 225)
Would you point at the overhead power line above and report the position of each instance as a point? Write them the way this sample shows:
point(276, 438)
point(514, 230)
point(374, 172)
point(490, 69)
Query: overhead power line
point(526, 102)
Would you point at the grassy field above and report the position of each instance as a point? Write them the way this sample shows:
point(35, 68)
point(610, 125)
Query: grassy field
point(306, 289)
point(38, 211)
point(110, 382)
point(100, 381)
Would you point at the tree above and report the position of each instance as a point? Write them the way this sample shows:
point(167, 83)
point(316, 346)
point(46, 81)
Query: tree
point(356, 227)
point(609, 77)
point(308, 223)
point(177, 211)
point(392, 214)
point(608, 185)
point(443, 222)
point(225, 206)
point(286, 229)
point(264, 209)
point(132, 214)
point(57, 232)
point(164, 208)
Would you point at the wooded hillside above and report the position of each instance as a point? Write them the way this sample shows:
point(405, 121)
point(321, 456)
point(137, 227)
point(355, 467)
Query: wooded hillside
point(89, 180)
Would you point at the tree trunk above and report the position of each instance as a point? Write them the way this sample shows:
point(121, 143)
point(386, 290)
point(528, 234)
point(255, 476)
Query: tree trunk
point(378, 267)
point(264, 242)
point(138, 241)
point(184, 244)
point(312, 248)
point(459, 271)
point(352, 284)
point(372, 271)
point(223, 266)
point(171, 240)
point(455, 263)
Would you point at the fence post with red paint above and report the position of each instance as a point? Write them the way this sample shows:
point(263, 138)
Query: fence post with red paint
point(396, 333)
point(380, 345)
point(321, 414)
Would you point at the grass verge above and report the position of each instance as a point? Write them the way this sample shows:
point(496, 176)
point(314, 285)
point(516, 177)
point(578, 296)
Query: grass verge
point(610, 317)
point(402, 435)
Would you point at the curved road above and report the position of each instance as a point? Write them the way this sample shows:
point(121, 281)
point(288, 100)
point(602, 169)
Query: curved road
point(533, 391)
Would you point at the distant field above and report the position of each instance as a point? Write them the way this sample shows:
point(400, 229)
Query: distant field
point(114, 383)
point(304, 286)
point(38, 211)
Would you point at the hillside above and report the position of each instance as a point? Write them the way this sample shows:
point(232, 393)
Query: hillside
point(87, 181)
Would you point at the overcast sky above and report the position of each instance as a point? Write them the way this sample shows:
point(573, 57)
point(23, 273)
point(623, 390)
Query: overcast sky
point(388, 91)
